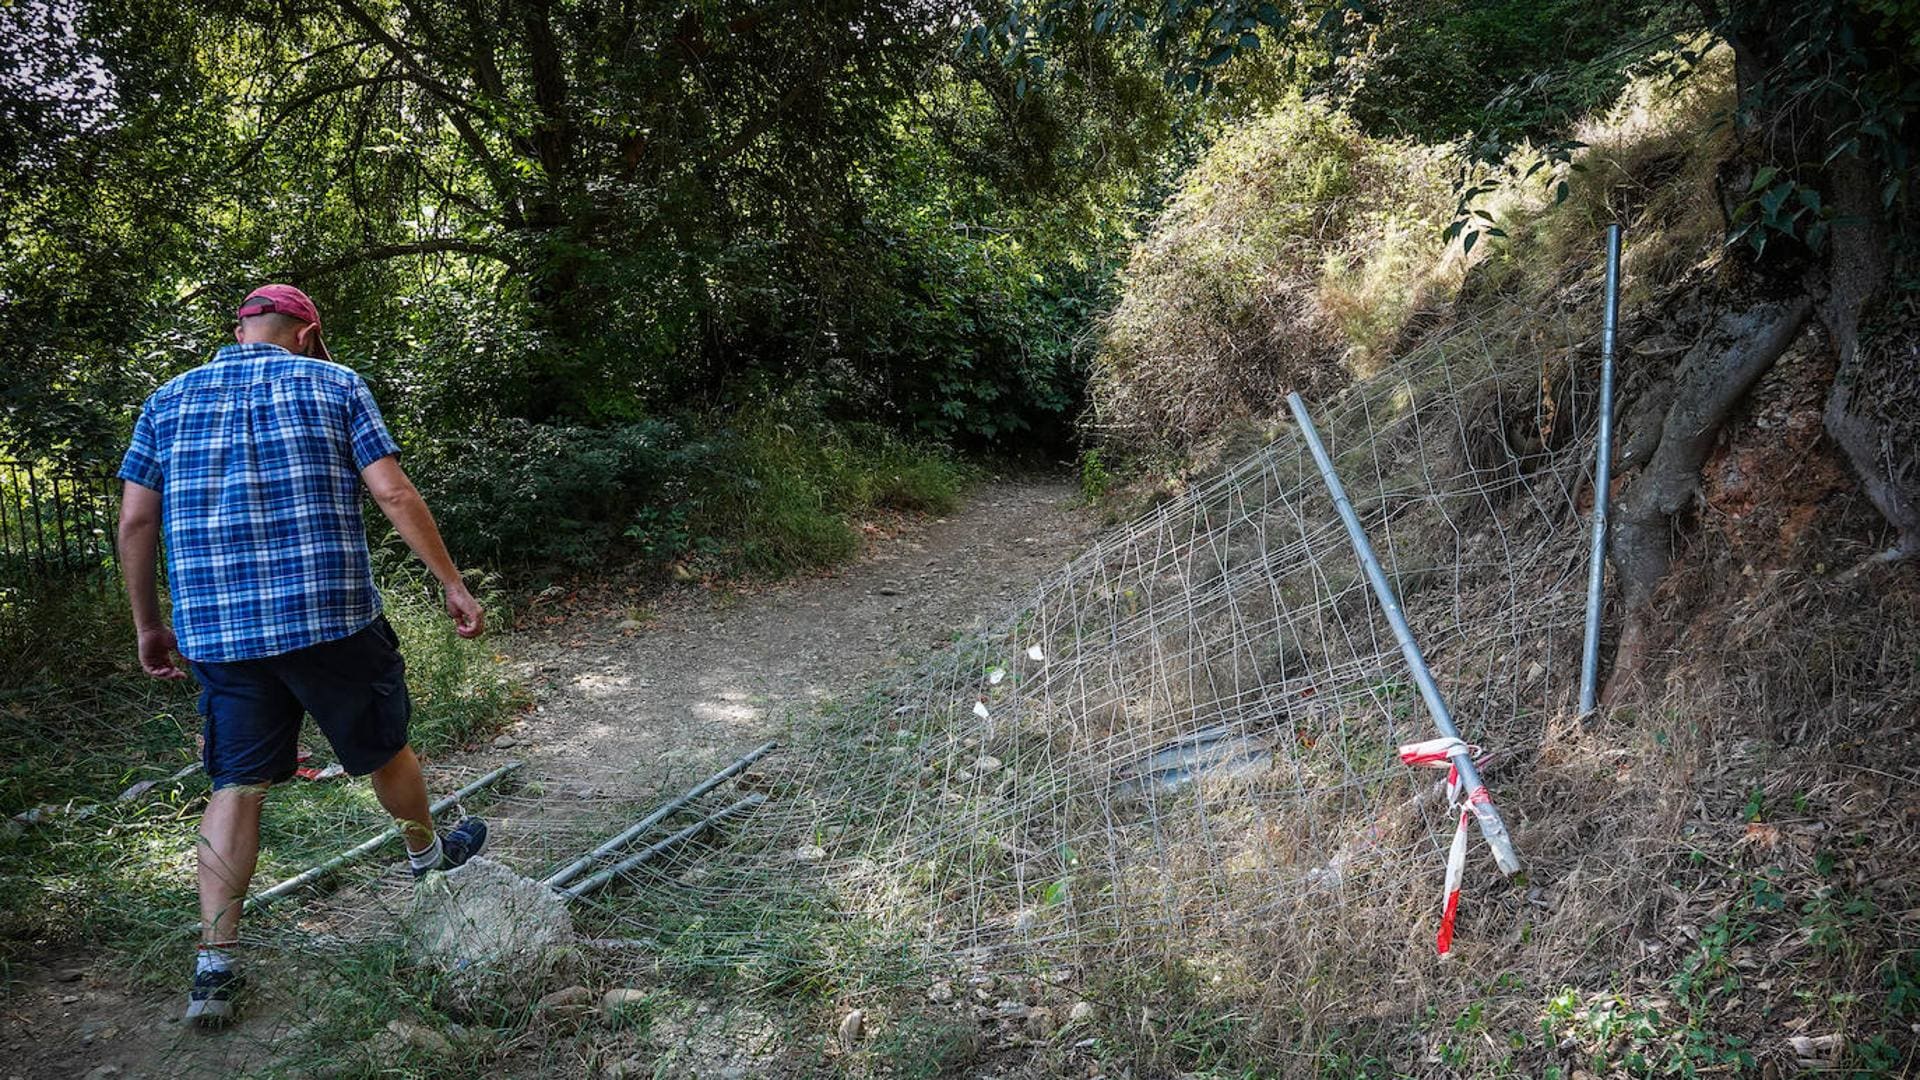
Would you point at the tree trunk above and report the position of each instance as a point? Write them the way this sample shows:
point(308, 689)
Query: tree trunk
point(1715, 375)
point(1871, 411)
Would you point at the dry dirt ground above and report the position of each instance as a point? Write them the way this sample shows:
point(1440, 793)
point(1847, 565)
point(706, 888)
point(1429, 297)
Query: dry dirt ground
point(627, 691)
point(697, 677)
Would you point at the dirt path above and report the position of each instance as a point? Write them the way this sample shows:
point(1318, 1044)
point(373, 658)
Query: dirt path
point(702, 676)
point(624, 699)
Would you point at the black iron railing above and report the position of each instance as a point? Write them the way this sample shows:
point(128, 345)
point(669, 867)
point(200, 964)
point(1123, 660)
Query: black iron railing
point(56, 525)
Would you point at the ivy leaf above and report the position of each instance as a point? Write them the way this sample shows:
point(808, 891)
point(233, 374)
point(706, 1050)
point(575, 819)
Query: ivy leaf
point(1466, 246)
point(1763, 178)
point(1249, 40)
point(1560, 192)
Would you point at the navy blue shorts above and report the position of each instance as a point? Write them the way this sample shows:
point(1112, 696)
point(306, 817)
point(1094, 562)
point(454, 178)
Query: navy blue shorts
point(355, 687)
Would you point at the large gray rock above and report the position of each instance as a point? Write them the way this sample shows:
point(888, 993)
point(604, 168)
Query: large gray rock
point(497, 937)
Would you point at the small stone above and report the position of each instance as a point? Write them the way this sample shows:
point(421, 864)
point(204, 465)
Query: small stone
point(889, 590)
point(563, 1000)
point(420, 1037)
point(621, 998)
point(810, 853)
point(1534, 671)
point(1039, 1023)
point(69, 975)
point(70, 999)
point(984, 764)
point(1082, 1012)
point(633, 1066)
point(941, 993)
point(851, 1025)
point(631, 625)
point(1012, 1010)
point(502, 742)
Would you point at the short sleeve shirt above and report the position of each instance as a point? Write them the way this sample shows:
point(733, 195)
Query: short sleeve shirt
point(257, 458)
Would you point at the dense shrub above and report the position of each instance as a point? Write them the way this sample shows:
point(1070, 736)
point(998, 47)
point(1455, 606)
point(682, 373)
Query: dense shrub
point(1254, 281)
point(538, 493)
point(1301, 252)
point(769, 490)
point(1435, 70)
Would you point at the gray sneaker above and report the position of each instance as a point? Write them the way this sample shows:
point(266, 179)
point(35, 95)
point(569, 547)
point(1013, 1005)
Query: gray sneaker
point(210, 1003)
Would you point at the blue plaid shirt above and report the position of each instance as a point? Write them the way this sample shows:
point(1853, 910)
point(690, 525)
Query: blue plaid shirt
point(257, 458)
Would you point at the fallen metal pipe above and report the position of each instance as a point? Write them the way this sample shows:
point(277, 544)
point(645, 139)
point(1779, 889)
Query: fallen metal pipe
point(1491, 825)
point(144, 786)
point(1602, 480)
point(313, 874)
point(647, 854)
point(568, 872)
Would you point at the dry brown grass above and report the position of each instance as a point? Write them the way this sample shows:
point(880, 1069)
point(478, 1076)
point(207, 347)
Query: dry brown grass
point(1257, 279)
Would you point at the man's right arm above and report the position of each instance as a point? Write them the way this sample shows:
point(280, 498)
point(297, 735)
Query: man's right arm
point(397, 498)
point(139, 543)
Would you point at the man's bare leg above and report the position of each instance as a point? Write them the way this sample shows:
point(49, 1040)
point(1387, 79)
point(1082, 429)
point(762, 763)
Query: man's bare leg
point(229, 849)
point(402, 790)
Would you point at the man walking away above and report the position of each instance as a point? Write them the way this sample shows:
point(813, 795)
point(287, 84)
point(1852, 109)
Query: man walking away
point(252, 466)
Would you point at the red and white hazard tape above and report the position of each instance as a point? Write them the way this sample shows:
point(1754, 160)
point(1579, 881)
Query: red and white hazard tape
point(1439, 754)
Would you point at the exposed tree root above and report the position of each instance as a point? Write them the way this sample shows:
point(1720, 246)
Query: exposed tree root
point(1739, 348)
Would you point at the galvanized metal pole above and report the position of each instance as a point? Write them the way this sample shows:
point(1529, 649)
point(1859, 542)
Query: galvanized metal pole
point(568, 872)
point(1491, 825)
point(1602, 480)
point(313, 874)
point(647, 854)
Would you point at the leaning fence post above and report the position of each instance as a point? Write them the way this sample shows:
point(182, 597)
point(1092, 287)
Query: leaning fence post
point(1602, 481)
point(1491, 825)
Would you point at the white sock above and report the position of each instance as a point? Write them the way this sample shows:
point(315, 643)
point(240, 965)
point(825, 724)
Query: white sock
point(428, 859)
point(211, 958)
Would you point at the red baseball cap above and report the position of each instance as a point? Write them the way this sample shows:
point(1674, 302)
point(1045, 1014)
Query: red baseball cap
point(284, 300)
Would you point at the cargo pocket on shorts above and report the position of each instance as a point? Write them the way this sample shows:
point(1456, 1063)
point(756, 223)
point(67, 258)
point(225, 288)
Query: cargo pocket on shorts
point(392, 704)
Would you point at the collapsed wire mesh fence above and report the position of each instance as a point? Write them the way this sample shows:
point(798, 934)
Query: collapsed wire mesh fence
point(1179, 746)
